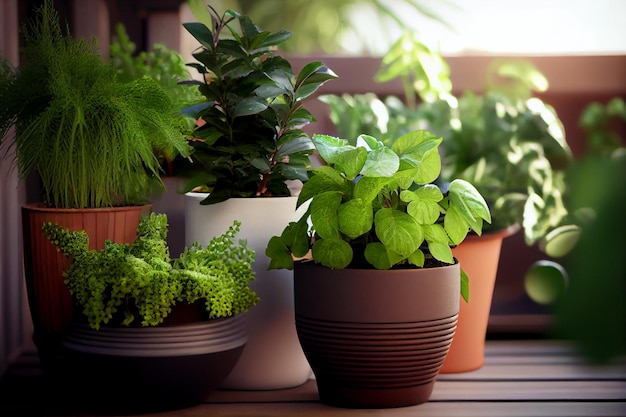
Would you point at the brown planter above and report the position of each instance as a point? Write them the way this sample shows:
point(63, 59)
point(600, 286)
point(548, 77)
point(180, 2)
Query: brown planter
point(49, 299)
point(479, 257)
point(375, 338)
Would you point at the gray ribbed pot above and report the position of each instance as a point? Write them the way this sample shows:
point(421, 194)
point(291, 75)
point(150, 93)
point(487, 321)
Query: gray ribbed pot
point(375, 338)
point(150, 368)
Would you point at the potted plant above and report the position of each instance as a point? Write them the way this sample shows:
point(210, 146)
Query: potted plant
point(92, 141)
point(250, 155)
point(377, 299)
point(586, 286)
point(167, 331)
point(507, 142)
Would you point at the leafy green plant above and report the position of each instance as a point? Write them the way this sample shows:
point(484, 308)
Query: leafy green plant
point(507, 142)
point(250, 138)
point(164, 65)
point(602, 124)
point(324, 25)
point(374, 206)
point(141, 277)
point(91, 138)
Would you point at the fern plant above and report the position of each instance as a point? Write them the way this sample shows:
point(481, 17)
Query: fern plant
point(90, 137)
point(122, 279)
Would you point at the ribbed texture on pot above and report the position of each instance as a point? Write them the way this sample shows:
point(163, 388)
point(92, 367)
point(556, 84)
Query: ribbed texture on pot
point(137, 370)
point(191, 339)
point(376, 338)
point(378, 356)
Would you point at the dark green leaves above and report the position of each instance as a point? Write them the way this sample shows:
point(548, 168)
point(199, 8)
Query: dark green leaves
point(254, 137)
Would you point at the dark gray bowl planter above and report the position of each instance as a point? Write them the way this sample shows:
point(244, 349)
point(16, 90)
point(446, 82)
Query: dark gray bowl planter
point(136, 369)
point(376, 338)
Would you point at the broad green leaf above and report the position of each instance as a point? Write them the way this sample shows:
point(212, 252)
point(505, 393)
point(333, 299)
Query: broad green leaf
point(465, 286)
point(367, 188)
point(332, 253)
point(279, 254)
point(328, 146)
point(382, 162)
point(371, 142)
point(324, 214)
point(470, 203)
point(423, 203)
point(398, 231)
point(295, 236)
point(351, 161)
point(455, 225)
point(441, 251)
point(417, 258)
point(355, 217)
point(376, 254)
point(438, 243)
point(323, 179)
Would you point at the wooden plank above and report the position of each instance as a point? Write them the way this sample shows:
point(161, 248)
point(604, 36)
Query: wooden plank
point(529, 391)
point(531, 370)
point(451, 390)
point(430, 409)
point(528, 348)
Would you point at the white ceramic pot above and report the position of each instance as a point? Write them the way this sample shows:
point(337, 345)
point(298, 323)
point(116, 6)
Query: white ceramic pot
point(272, 357)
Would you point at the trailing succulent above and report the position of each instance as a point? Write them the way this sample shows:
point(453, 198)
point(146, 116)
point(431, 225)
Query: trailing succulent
point(375, 206)
point(141, 276)
point(250, 138)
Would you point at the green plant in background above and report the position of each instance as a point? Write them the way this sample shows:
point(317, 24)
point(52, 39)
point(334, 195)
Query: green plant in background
point(250, 138)
point(588, 298)
point(428, 81)
point(164, 65)
point(507, 142)
point(374, 206)
point(323, 25)
point(123, 281)
point(90, 137)
point(601, 123)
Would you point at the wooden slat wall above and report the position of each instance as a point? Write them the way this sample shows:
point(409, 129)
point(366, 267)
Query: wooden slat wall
point(14, 326)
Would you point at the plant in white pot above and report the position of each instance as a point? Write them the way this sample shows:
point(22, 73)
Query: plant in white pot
point(166, 331)
point(377, 294)
point(92, 142)
point(249, 149)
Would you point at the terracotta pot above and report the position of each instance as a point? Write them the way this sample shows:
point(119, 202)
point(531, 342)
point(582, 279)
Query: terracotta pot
point(153, 368)
point(375, 338)
point(479, 257)
point(49, 299)
point(272, 358)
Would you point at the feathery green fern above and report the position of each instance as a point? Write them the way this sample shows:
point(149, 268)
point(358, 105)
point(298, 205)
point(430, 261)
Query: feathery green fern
point(91, 138)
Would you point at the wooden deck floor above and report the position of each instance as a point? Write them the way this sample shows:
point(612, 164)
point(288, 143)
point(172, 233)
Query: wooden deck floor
point(519, 378)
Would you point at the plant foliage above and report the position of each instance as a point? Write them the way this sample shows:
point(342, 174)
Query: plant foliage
point(374, 206)
point(90, 137)
point(141, 276)
point(250, 138)
point(164, 65)
point(508, 143)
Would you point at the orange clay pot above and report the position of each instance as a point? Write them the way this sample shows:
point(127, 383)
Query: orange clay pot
point(479, 257)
